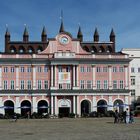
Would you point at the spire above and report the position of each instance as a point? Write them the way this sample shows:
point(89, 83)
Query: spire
point(44, 31)
point(25, 31)
point(96, 35)
point(7, 38)
point(44, 35)
point(61, 27)
point(7, 33)
point(25, 35)
point(79, 34)
point(112, 36)
point(112, 32)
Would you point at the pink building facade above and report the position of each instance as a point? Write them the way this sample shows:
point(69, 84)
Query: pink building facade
point(62, 75)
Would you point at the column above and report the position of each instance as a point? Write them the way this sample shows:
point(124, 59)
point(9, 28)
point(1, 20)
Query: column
point(78, 106)
point(34, 77)
point(93, 77)
point(51, 75)
point(1, 104)
point(77, 76)
point(56, 107)
point(55, 80)
point(34, 104)
point(126, 101)
point(94, 105)
point(0, 78)
point(126, 77)
point(73, 75)
point(52, 105)
point(17, 110)
point(74, 104)
point(17, 77)
point(110, 103)
point(110, 76)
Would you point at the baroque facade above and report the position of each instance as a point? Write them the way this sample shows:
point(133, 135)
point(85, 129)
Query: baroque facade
point(62, 75)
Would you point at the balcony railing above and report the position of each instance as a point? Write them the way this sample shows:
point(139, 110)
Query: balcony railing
point(64, 55)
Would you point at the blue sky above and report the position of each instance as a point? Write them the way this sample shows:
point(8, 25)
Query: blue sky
point(122, 15)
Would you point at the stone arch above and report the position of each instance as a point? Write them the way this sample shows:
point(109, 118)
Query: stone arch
point(119, 105)
point(9, 107)
point(25, 108)
point(101, 108)
point(85, 107)
point(42, 107)
point(64, 106)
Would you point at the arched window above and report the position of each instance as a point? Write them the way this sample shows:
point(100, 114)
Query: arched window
point(21, 49)
point(12, 49)
point(86, 49)
point(93, 49)
point(40, 49)
point(109, 48)
point(30, 49)
point(102, 49)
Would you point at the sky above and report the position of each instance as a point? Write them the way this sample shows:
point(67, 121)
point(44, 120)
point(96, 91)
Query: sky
point(121, 15)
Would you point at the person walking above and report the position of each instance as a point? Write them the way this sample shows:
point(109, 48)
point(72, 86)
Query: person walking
point(116, 116)
point(131, 117)
point(127, 116)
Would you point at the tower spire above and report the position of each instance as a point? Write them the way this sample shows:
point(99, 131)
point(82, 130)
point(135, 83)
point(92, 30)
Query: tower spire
point(96, 35)
point(7, 38)
point(62, 25)
point(7, 33)
point(112, 36)
point(25, 34)
point(44, 35)
point(79, 34)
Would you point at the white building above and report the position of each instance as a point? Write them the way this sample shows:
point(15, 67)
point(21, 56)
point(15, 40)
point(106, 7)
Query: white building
point(134, 71)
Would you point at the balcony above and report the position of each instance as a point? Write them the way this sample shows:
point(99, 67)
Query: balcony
point(64, 55)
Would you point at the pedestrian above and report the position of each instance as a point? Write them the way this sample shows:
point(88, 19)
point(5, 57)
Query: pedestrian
point(131, 117)
point(127, 116)
point(28, 115)
point(124, 116)
point(116, 116)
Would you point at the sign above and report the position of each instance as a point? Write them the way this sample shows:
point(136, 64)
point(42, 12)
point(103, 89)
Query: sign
point(64, 103)
point(64, 77)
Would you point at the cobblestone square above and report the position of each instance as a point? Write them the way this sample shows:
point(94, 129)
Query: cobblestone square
point(69, 129)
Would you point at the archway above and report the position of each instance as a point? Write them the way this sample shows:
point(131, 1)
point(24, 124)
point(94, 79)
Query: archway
point(85, 107)
point(9, 108)
point(118, 104)
point(64, 106)
point(12, 49)
point(42, 107)
point(25, 108)
point(101, 107)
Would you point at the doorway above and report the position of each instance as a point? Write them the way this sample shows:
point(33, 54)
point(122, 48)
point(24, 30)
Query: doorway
point(64, 111)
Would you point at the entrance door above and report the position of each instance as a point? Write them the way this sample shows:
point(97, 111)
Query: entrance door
point(64, 111)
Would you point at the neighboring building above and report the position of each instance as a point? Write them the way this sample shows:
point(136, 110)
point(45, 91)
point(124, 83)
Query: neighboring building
point(134, 70)
point(62, 74)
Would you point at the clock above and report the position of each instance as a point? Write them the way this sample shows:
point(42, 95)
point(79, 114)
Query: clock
point(64, 40)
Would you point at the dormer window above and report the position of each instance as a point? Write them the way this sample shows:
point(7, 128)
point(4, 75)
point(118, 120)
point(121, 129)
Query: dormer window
point(39, 50)
point(30, 50)
point(12, 51)
point(21, 51)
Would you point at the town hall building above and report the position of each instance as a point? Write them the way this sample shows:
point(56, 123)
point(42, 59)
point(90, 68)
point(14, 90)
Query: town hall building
point(62, 75)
